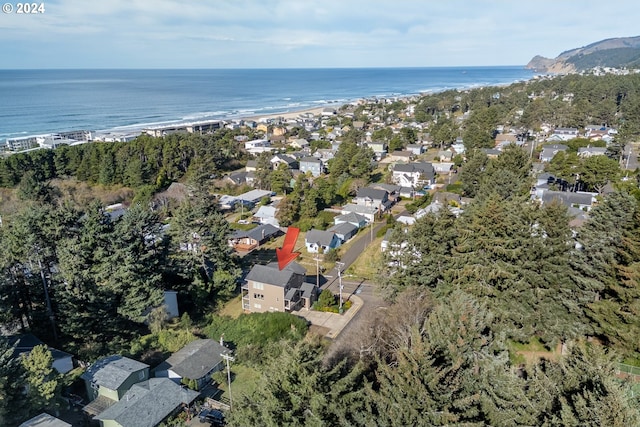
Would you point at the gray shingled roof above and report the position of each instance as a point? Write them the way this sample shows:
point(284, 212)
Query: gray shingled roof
point(195, 359)
point(310, 160)
point(112, 371)
point(567, 198)
point(147, 403)
point(272, 275)
point(44, 420)
point(321, 237)
point(371, 193)
point(259, 233)
point(343, 228)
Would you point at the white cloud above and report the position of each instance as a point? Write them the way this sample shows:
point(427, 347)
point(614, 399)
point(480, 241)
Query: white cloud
point(241, 33)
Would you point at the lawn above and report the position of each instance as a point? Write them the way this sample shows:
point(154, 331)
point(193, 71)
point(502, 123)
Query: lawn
point(232, 308)
point(244, 380)
point(368, 263)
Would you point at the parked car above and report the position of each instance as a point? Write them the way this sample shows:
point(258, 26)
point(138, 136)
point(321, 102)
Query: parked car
point(213, 416)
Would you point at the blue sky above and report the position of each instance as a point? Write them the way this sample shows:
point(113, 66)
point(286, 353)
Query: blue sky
point(305, 33)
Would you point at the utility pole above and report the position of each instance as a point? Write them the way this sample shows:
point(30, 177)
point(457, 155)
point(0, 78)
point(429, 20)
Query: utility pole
point(340, 266)
point(228, 358)
point(317, 258)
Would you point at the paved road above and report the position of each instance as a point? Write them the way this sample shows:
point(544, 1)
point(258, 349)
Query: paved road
point(630, 157)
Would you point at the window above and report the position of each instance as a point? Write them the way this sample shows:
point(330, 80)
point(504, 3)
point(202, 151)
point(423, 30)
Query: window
point(257, 305)
point(258, 296)
point(257, 285)
point(141, 375)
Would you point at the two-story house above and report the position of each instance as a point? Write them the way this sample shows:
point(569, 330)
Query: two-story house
point(415, 175)
point(267, 288)
point(108, 379)
point(367, 196)
point(311, 164)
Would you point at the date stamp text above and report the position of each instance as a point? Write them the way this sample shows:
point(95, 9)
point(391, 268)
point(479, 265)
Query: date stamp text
point(24, 8)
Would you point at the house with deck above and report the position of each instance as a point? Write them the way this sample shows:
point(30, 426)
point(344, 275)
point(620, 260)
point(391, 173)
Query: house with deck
point(414, 175)
point(108, 379)
point(248, 240)
point(147, 404)
point(267, 288)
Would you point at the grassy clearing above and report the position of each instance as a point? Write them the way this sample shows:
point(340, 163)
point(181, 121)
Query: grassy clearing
point(368, 264)
point(232, 308)
point(244, 380)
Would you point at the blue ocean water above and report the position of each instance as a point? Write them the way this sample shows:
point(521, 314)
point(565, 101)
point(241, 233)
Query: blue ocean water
point(44, 101)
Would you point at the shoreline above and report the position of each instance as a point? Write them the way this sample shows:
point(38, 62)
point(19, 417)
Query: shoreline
point(126, 132)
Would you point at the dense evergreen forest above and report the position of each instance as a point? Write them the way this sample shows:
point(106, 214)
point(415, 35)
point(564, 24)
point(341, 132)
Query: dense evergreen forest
point(463, 291)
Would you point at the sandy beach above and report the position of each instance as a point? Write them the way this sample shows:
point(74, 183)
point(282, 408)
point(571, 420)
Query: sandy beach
point(288, 115)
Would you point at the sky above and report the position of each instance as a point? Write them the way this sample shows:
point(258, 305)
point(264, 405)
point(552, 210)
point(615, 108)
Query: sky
point(305, 33)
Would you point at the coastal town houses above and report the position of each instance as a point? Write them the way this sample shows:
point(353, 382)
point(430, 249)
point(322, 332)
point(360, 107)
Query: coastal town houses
point(267, 288)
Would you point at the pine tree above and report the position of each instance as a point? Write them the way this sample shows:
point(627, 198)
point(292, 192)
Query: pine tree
point(12, 383)
point(42, 378)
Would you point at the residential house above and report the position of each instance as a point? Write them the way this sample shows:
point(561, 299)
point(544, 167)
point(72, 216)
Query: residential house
point(23, 344)
point(592, 151)
point(445, 155)
point(147, 404)
point(369, 212)
point(351, 218)
point(252, 166)
point(392, 190)
point(248, 240)
point(282, 159)
point(266, 215)
point(401, 156)
point(367, 196)
point(44, 420)
point(504, 139)
point(443, 168)
point(267, 288)
point(344, 231)
point(549, 151)
point(109, 378)
point(254, 197)
point(299, 143)
point(491, 153)
point(320, 241)
point(311, 164)
point(581, 200)
point(416, 149)
point(563, 134)
point(239, 178)
point(194, 363)
point(379, 149)
point(415, 175)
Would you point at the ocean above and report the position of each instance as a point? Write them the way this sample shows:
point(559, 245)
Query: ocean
point(34, 102)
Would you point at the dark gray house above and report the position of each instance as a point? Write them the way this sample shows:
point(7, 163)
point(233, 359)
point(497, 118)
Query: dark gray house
point(196, 362)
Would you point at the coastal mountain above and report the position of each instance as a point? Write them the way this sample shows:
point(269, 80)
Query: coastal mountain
point(616, 52)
